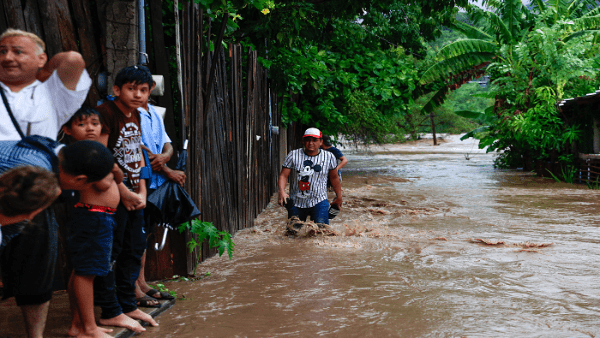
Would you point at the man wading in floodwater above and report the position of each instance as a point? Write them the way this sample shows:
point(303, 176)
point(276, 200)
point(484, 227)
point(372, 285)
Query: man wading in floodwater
point(309, 189)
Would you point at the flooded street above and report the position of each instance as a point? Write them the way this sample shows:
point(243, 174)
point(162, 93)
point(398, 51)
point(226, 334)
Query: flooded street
point(429, 244)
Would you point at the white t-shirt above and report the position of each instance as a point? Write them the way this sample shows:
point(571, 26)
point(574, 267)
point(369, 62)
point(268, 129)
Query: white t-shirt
point(42, 107)
point(310, 184)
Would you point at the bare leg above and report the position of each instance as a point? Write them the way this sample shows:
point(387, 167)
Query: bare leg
point(76, 325)
point(35, 319)
point(123, 320)
point(140, 284)
point(83, 289)
point(141, 281)
point(143, 316)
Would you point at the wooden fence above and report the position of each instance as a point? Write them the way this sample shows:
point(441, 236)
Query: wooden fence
point(227, 119)
point(227, 106)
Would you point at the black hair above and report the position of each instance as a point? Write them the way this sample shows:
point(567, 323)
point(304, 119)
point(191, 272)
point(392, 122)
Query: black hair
point(82, 113)
point(89, 158)
point(327, 140)
point(135, 74)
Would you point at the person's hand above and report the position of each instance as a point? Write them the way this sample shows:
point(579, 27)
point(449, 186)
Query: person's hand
point(282, 198)
point(177, 176)
point(157, 161)
point(338, 202)
point(43, 74)
point(133, 201)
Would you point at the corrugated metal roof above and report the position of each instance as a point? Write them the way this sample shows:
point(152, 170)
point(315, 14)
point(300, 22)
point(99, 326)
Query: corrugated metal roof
point(579, 100)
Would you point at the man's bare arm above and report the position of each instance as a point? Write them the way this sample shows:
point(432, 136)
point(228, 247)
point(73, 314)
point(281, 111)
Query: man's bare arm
point(68, 65)
point(337, 187)
point(282, 182)
point(158, 161)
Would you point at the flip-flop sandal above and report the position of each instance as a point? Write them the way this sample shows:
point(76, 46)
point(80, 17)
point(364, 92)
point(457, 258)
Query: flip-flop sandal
point(163, 295)
point(147, 302)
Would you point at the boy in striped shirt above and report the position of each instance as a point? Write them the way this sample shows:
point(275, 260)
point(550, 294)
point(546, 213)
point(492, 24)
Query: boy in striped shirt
point(308, 191)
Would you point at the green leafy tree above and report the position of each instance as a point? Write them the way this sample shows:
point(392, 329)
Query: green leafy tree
point(532, 55)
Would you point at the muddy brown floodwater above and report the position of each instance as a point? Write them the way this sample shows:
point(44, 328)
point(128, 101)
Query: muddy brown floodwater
point(430, 244)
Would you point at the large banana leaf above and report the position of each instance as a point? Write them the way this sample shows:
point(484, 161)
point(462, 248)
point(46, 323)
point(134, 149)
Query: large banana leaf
point(470, 114)
point(455, 65)
point(587, 23)
point(504, 32)
point(596, 34)
point(593, 12)
point(467, 46)
point(470, 31)
point(473, 132)
point(435, 101)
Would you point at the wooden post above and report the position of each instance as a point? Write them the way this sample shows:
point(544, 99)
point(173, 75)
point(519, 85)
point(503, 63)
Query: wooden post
point(433, 129)
point(596, 129)
point(121, 37)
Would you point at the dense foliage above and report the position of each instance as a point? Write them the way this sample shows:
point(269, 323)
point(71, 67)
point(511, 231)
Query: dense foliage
point(327, 57)
point(535, 56)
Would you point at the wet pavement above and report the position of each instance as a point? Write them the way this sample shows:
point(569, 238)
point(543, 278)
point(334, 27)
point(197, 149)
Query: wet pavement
point(59, 318)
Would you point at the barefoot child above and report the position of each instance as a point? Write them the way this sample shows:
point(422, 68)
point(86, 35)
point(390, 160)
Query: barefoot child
point(115, 293)
point(89, 226)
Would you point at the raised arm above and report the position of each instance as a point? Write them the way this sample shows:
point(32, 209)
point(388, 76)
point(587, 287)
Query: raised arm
point(68, 65)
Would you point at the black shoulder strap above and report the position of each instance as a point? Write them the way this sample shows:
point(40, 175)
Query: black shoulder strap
point(12, 117)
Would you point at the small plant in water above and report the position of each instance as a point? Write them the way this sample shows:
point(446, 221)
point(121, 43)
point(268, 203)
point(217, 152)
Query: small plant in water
point(220, 240)
point(162, 288)
point(568, 173)
point(595, 185)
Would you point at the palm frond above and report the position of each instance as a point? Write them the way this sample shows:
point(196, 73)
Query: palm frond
point(504, 33)
point(540, 5)
point(592, 12)
point(473, 132)
point(435, 101)
point(594, 32)
point(587, 23)
point(471, 31)
point(467, 46)
point(456, 65)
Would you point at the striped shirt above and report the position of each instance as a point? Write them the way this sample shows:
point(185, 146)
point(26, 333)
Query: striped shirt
point(13, 154)
point(309, 187)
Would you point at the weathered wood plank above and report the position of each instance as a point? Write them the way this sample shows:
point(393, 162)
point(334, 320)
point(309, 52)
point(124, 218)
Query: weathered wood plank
point(31, 14)
point(14, 14)
point(58, 28)
point(3, 16)
point(161, 64)
point(88, 43)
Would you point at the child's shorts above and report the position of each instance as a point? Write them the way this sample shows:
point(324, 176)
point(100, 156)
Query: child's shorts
point(89, 239)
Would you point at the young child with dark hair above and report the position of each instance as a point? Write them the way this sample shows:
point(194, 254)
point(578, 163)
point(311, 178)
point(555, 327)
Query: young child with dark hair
point(85, 124)
point(90, 166)
point(115, 293)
